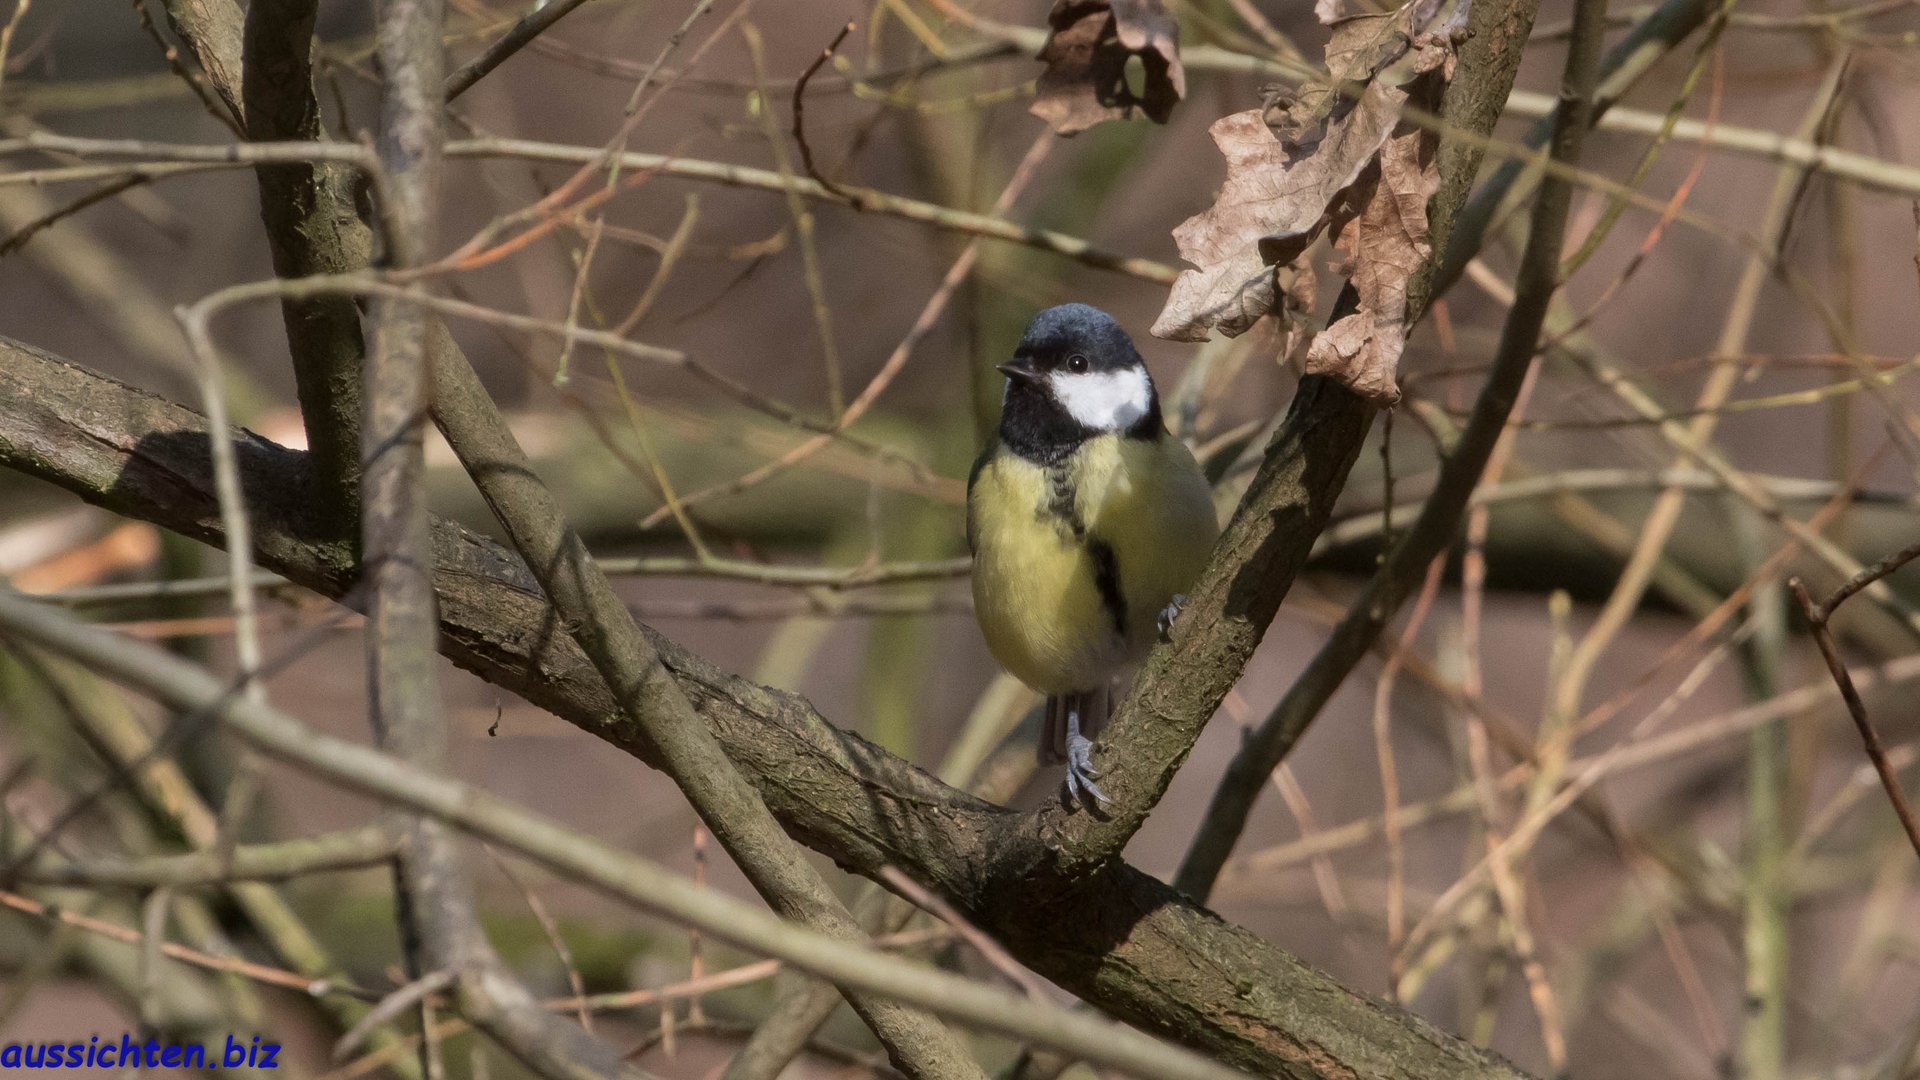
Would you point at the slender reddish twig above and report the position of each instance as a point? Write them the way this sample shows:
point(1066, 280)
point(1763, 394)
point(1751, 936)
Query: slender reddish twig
point(1817, 615)
point(799, 106)
point(1867, 577)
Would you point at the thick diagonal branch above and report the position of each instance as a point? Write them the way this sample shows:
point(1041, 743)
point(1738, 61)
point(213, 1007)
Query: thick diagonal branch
point(261, 66)
point(652, 701)
point(312, 227)
point(397, 580)
point(624, 876)
point(1119, 938)
point(316, 228)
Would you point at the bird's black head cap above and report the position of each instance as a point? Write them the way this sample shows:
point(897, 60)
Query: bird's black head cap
point(1075, 375)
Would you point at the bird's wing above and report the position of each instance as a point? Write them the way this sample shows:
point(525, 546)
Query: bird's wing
point(973, 474)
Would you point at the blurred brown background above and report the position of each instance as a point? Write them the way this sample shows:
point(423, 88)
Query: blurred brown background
point(1647, 965)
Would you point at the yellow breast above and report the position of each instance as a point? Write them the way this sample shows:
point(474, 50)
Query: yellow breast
point(1136, 512)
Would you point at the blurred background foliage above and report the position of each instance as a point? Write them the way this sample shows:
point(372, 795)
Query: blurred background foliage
point(1714, 911)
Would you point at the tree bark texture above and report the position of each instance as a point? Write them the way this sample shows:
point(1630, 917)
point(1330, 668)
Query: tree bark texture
point(1117, 937)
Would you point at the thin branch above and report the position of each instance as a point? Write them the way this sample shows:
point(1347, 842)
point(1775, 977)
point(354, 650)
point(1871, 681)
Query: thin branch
point(1866, 577)
point(930, 902)
point(871, 200)
point(390, 1007)
point(615, 872)
point(1625, 64)
point(254, 153)
point(1439, 520)
point(518, 36)
point(584, 599)
point(804, 224)
point(25, 232)
point(1664, 516)
point(742, 975)
point(140, 765)
point(1817, 616)
point(178, 589)
point(12, 25)
point(896, 361)
point(397, 555)
point(799, 106)
point(176, 158)
point(1117, 937)
point(260, 973)
point(1691, 739)
point(279, 860)
point(551, 929)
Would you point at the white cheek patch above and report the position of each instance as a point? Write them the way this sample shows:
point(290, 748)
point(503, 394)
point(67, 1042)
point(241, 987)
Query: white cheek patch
point(1104, 400)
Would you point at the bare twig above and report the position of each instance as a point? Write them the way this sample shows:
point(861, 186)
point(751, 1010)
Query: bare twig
point(630, 666)
point(402, 660)
point(1439, 519)
point(19, 237)
point(258, 972)
point(1389, 766)
point(803, 228)
point(390, 1007)
point(1664, 516)
point(20, 8)
point(923, 324)
point(1625, 64)
point(531, 25)
point(551, 929)
point(1817, 616)
point(1866, 577)
point(618, 873)
point(988, 948)
point(245, 862)
point(799, 105)
point(873, 201)
point(858, 803)
point(170, 159)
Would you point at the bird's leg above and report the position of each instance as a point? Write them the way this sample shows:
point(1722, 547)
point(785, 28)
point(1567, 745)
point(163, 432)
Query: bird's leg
point(1080, 772)
point(1053, 732)
point(1170, 613)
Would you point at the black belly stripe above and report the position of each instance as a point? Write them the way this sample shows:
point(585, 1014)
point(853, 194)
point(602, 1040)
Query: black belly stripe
point(1060, 502)
point(1060, 508)
point(1106, 577)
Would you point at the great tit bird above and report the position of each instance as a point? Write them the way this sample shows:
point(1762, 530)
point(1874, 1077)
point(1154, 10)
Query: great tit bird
point(1088, 521)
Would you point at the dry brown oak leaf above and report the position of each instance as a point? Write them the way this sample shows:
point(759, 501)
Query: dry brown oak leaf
point(1336, 155)
point(1086, 55)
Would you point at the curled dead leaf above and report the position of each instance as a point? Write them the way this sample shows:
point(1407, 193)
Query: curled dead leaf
point(1334, 153)
point(1274, 203)
point(1386, 242)
point(1086, 56)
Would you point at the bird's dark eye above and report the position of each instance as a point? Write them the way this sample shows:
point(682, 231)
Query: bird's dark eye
point(1077, 364)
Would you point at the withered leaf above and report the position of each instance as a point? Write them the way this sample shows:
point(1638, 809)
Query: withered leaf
point(1086, 55)
point(1273, 204)
point(1386, 242)
point(1327, 154)
point(1359, 50)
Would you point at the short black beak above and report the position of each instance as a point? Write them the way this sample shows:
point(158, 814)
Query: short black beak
point(1020, 369)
